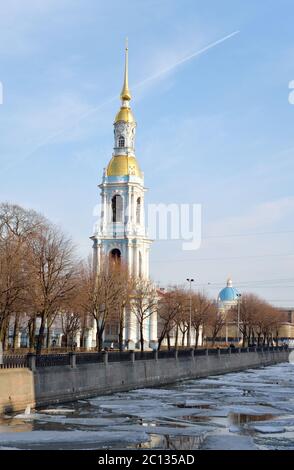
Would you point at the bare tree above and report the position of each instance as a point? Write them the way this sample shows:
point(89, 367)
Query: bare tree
point(170, 307)
point(143, 304)
point(17, 225)
point(98, 295)
point(202, 310)
point(215, 322)
point(124, 287)
point(71, 323)
point(52, 270)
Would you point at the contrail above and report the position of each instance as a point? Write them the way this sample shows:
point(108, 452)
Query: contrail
point(113, 98)
point(186, 59)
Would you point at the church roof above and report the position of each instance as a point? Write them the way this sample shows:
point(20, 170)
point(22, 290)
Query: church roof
point(228, 293)
point(124, 114)
point(123, 165)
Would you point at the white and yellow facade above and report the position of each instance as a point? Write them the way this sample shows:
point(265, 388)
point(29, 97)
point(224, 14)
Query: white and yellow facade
point(121, 233)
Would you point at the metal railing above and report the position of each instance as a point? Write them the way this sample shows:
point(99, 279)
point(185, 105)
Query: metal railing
point(200, 352)
point(89, 358)
point(13, 361)
point(185, 353)
point(166, 354)
point(114, 356)
point(74, 359)
point(50, 360)
point(144, 355)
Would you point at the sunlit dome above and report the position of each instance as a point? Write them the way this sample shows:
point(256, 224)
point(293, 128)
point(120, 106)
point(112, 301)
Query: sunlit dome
point(228, 293)
point(123, 165)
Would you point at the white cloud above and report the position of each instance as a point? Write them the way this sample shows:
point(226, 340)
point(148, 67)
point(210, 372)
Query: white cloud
point(260, 217)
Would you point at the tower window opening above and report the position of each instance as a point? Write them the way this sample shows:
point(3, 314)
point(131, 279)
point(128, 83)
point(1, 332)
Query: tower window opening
point(121, 141)
point(117, 208)
point(115, 257)
point(138, 211)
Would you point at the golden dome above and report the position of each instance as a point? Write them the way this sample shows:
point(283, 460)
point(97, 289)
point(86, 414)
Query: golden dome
point(123, 165)
point(124, 114)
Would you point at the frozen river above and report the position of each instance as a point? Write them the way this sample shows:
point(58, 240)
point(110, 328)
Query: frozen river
point(245, 410)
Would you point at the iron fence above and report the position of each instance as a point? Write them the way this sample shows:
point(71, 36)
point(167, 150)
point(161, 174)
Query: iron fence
point(13, 361)
point(234, 350)
point(225, 351)
point(166, 354)
point(114, 356)
point(200, 352)
point(184, 353)
point(144, 355)
point(49, 360)
point(88, 358)
point(77, 358)
point(212, 352)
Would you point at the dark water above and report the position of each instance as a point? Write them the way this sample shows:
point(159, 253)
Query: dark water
point(246, 410)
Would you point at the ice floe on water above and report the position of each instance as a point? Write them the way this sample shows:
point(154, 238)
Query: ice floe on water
point(71, 439)
point(269, 429)
point(229, 443)
point(253, 409)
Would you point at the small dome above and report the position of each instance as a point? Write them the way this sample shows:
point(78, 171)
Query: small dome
point(123, 165)
point(125, 114)
point(229, 293)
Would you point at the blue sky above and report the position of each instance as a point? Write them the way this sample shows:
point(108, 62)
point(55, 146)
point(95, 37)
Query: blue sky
point(215, 130)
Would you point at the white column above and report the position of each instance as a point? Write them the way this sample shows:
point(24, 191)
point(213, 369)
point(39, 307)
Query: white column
point(153, 327)
point(18, 339)
point(200, 338)
point(88, 344)
point(77, 339)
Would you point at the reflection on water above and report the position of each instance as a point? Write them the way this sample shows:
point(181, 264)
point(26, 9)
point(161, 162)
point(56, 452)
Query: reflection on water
point(242, 418)
point(201, 407)
point(197, 418)
point(9, 424)
point(171, 442)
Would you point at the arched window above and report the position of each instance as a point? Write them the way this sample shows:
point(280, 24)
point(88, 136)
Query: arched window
point(121, 141)
point(138, 211)
point(115, 256)
point(117, 208)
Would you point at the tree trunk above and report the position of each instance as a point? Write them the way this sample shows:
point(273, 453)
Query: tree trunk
point(41, 336)
point(4, 333)
point(120, 333)
point(196, 337)
point(82, 337)
point(141, 337)
point(183, 339)
point(244, 338)
point(99, 339)
point(48, 338)
point(32, 330)
point(159, 342)
point(15, 331)
point(177, 337)
point(168, 341)
point(4, 338)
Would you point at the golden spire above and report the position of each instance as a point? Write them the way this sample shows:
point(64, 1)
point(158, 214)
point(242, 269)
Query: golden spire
point(125, 93)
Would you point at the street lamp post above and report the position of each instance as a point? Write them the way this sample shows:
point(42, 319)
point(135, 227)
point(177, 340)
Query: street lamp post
point(238, 318)
point(190, 322)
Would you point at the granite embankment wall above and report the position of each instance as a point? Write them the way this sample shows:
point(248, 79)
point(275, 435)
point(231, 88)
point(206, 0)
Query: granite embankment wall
point(46, 385)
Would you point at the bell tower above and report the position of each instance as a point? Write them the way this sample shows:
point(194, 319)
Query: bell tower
point(121, 233)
